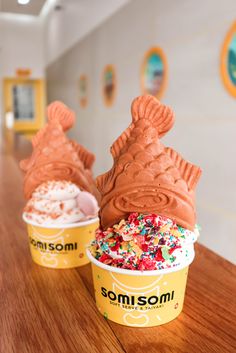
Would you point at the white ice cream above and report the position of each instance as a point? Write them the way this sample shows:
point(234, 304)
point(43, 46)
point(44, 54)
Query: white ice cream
point(56, 202)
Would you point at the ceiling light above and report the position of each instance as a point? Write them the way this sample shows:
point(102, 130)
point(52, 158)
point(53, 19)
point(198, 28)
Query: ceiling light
point(23, 2)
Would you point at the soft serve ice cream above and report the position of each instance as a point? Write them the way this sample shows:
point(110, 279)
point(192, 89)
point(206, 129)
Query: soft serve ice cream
point(58, 180)
point(144, 242)
point(60, 202)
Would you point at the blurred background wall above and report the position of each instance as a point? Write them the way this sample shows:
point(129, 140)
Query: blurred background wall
point(21, 46)
point(205, 127)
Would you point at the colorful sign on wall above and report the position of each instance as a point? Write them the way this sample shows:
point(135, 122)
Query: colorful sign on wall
point(21, 72)
point(154, 72)
point(228, 61)
point(109, 85)
point(83, 91)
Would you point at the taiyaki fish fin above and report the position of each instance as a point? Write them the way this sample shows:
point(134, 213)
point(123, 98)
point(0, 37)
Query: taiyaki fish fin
point(149, 108)
point(85, 156)
point(60, 112)
point(189, 172)
point(103, 181)
point(38, 136)
point(25, 164)
point(121, 142)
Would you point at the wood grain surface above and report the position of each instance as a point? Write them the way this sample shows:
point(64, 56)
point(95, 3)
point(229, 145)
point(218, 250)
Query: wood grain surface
point(53, 311)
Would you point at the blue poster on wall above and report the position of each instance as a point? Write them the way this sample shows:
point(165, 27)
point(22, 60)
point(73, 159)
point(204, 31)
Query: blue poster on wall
point(228, 61)
point(154, 72)
point(232, 60)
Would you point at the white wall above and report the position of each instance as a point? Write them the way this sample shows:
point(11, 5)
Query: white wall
point(21, 46)
point(191, 36)
point(75, 19)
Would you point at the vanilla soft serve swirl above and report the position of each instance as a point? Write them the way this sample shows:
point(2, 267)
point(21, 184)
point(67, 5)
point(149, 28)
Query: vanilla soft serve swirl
point(56, 202)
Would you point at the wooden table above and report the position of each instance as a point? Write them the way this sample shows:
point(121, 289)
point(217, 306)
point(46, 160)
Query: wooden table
point(44, 310)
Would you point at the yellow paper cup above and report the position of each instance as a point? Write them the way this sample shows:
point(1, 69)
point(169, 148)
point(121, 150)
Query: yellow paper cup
point(61, 247)
point(136, 298)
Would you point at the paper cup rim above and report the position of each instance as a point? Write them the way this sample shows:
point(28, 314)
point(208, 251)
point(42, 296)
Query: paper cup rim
point(59, 226)
point(139, 273)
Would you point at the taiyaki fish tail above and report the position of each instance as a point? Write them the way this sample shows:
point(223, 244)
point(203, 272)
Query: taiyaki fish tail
point(188, 171)
point(60, 112)
point(86, 157)
point(150, 109)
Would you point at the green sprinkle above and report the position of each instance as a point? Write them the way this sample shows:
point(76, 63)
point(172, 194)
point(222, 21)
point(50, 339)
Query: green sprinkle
point(198, 227)
point(165, 253)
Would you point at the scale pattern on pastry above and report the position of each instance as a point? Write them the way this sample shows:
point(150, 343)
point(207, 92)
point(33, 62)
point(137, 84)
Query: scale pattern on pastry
point(57, 158)
point(146, 176)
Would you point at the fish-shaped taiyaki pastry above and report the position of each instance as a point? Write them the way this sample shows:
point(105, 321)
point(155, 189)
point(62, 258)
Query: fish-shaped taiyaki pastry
point(146, 176)
point(55, 157)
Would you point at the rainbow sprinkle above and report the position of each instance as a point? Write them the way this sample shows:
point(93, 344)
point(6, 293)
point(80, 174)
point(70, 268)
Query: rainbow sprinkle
point(143, 242)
